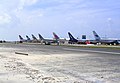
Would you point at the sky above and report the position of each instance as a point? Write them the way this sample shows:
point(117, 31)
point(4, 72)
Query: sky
point(26, 17)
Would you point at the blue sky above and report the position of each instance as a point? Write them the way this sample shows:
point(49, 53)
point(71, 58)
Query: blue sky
point(26, 17)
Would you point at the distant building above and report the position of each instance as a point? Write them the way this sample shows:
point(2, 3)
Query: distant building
point(83, 36)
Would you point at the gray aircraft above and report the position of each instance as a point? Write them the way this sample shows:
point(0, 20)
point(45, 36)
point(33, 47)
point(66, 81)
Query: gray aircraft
point(105, 41)
point(24, 40)
point(47, 41)
point(35, 40)
point(73, 40)
point(60, 40)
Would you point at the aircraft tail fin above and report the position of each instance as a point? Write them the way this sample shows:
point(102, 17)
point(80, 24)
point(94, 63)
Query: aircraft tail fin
point(72, 39)
point(28, 38)
point(55, 36)
point(40, 37)
point(34, 38)
point(97, 37)
point(21, 39)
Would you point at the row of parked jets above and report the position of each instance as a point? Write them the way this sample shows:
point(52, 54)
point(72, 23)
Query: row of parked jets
point(72, 40)
point(56, 39)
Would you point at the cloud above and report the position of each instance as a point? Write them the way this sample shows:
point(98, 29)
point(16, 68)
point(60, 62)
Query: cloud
point(24, 3)
point(13, 11)
point(4, 19)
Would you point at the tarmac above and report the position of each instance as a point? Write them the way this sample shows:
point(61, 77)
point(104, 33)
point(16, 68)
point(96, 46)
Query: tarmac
point(24, 63)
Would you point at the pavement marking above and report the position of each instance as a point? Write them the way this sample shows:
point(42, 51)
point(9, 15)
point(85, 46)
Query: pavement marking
point(104, 52)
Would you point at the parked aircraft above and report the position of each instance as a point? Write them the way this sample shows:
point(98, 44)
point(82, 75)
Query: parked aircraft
point(73, 40)
point(56, 37)
point(47, 41)
point(105, 41)
point(28, 39)
point(21, 39)
point(35, 40)
point(24, 40)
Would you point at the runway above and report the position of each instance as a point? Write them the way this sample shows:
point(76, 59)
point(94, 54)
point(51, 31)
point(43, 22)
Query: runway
point(59, 64)
point(60, 49)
